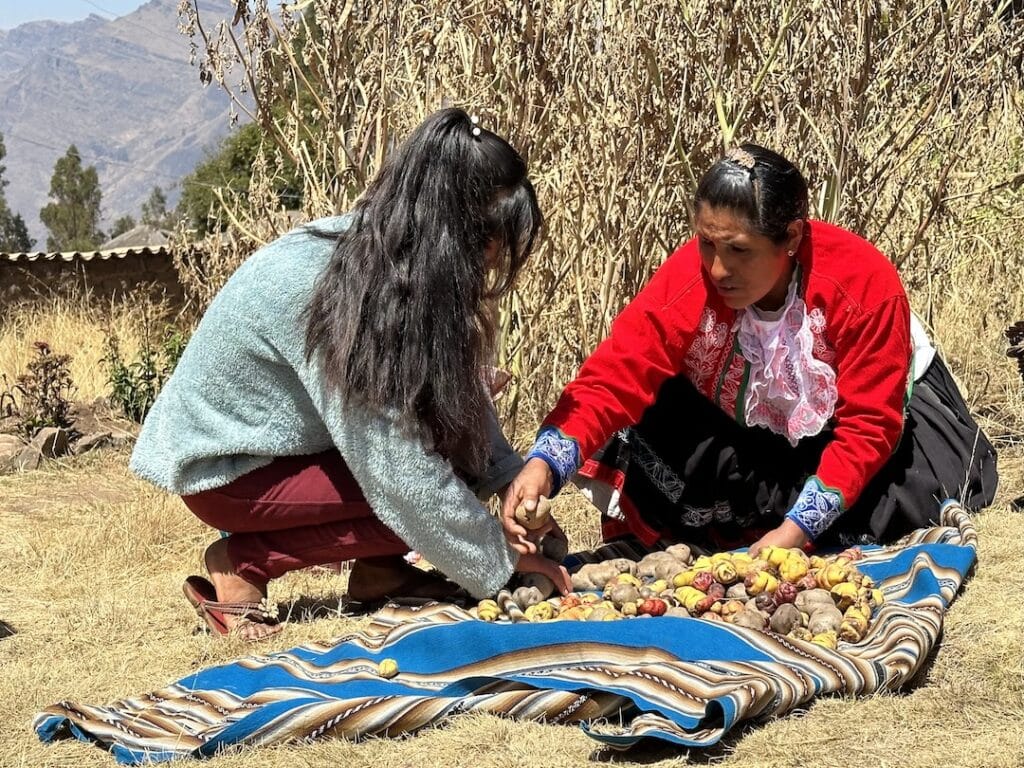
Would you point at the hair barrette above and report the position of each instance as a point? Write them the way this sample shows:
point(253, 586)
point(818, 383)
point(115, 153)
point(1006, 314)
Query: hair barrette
point(741, 157)
point(476, 124)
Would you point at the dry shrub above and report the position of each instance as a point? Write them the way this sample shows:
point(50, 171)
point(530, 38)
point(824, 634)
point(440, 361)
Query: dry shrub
point(76, 325)
point(906, 119)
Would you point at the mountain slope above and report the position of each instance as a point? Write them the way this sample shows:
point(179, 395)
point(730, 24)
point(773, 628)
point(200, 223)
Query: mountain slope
point(121, 90)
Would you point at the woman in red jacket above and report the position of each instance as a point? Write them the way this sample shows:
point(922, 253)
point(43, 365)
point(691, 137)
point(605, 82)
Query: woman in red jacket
point(766, 386)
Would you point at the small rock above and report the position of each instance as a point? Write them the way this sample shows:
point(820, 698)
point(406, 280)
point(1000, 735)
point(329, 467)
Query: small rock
point(51, 442)
point(27, 460)
point(10, 446)
point(122, 441)
point(92, 442)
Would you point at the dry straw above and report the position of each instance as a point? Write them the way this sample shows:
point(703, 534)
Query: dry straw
point(903, 116)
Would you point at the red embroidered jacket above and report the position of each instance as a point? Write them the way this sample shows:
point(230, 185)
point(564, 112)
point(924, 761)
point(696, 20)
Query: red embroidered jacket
point(860, 318)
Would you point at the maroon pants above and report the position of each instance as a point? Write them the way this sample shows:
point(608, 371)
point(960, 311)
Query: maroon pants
point(296, 512)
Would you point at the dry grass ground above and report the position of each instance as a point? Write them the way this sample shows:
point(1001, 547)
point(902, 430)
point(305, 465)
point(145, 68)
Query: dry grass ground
point(93, 560)
point(76, 326)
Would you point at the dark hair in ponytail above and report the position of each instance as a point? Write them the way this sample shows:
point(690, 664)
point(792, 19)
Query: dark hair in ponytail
point(401, 314)
point(759, 184)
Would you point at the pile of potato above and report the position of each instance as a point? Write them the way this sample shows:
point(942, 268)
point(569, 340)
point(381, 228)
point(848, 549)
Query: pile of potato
point(817, 599)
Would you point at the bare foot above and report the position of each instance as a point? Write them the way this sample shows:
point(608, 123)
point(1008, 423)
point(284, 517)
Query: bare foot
point(232, 588)
point(378, 578)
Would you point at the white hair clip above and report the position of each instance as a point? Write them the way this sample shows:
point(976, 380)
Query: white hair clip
point(476, 124)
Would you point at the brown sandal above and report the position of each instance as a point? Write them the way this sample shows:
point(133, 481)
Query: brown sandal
point(203, 597)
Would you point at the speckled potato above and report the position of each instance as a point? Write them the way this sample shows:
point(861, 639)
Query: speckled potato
point(543, 611)
point(749, 619)
point(785, 619)
point(813, 597)
point(542, 583)
point(680, 552)
point(488, 610)
point(825, 619)
point(532, 519)
point(524, 597)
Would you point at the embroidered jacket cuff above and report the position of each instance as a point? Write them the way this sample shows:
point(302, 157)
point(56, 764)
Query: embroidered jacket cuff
point(816, 508)
point(559, 452)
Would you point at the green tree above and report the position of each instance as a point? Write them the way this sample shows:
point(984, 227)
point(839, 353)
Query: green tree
point(154, 211)
point(73, 215)
point(225, 173)
point(122, 225)
point(13, 232)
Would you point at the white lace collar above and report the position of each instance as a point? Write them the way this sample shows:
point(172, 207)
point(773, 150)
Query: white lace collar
point(789, 391)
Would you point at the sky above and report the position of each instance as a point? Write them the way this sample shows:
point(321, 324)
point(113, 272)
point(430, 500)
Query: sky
point(15, 12)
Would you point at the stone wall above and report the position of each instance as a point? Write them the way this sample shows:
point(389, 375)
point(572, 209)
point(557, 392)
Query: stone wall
point(104, 276)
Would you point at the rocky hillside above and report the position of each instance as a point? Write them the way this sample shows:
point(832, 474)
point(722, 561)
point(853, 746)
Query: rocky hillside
point(121, 90)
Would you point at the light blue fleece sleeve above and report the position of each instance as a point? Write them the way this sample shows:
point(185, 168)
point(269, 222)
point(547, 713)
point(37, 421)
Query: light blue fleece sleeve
point(415, 492)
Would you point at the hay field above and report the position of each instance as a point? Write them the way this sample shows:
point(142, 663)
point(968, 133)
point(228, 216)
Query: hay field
point(93, 560)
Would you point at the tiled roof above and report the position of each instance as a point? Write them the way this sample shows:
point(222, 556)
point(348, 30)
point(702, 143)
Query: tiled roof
point(112, 253)
point(138, 236)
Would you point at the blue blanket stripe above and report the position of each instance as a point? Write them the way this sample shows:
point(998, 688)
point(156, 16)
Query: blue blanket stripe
point(660, 667)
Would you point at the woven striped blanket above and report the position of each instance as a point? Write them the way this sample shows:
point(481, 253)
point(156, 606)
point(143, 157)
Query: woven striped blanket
point(682, 680)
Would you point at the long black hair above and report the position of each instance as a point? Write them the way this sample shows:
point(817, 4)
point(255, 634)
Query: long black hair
point(759, 184)
point(401, 313)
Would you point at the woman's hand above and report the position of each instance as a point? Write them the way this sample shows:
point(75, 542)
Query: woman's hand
point(787, 535)
point(540, 564)
point(533, 481)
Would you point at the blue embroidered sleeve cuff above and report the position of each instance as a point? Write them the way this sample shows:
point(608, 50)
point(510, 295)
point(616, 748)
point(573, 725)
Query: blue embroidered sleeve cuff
point(816, 508)
point(561, 453)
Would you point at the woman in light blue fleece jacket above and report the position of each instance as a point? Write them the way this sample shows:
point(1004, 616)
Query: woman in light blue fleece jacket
point(330, 406)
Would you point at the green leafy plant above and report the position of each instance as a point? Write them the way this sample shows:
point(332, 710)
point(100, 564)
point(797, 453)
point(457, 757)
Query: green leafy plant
point(136, 383)
point(45, 392)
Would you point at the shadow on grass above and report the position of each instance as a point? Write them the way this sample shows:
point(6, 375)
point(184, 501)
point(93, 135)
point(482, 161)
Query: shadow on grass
point(306, 609)
point(649, 751)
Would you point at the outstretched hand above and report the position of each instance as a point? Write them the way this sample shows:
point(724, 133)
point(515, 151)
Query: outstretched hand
point(787, 535)
point(554, 571)
point(533, 481)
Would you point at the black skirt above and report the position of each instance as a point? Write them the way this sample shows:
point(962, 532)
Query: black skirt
point(688, 472)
